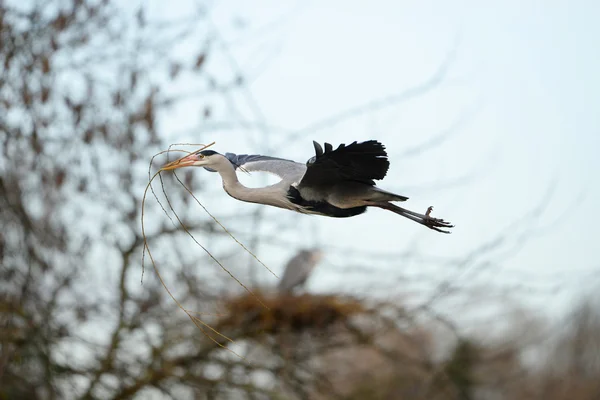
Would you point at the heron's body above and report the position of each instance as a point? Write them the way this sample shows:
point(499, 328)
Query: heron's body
point(335, 183)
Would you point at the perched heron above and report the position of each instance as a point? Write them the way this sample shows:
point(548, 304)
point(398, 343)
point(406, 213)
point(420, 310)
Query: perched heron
point(335, 183)
point(298, 269)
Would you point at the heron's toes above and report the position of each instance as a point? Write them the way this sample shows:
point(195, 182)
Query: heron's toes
point(436, 223)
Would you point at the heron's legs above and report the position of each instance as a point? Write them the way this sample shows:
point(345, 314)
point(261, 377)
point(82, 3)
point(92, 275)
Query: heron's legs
point(424, 219)
point(416, 214)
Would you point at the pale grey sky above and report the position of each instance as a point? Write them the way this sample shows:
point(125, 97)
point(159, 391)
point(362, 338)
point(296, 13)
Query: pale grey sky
point(524, 74)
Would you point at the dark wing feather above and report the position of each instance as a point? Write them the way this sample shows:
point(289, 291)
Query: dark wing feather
point(318, 149)
point(359, 162)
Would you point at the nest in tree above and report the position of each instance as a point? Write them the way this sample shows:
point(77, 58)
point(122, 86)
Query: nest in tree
point(287, 313)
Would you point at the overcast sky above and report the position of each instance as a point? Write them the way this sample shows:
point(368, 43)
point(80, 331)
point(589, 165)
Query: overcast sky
point(520, 97)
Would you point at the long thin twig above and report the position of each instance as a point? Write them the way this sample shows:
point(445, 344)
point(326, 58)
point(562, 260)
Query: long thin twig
point(206, 250)
point(204, 327)
point(225, 229)
point(198, 322)
point(202, 205)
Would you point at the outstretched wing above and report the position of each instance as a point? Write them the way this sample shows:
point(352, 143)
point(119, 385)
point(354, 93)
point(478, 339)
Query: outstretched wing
point(288, 170)
point(359, 162)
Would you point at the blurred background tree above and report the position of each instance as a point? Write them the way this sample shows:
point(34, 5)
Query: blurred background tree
point(80, 102)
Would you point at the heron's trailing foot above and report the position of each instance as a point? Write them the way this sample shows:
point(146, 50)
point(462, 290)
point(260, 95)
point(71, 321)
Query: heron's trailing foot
point(437, 224)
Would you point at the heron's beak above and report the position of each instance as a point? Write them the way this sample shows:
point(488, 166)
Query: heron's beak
point(182, 162)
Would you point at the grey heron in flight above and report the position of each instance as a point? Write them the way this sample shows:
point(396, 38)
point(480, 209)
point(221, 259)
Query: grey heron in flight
point(335, 183)
point(298, 269)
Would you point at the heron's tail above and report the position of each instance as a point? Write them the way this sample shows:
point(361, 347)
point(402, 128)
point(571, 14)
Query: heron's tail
point(437, 224)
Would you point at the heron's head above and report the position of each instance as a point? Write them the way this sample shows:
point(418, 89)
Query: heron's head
point(208, 159)
point(313, 256)
point(317, 255)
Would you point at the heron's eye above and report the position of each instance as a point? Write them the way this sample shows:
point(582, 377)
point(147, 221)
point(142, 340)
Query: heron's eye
point(201, 156)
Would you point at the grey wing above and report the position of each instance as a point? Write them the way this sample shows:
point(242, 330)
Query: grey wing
point(288, 170)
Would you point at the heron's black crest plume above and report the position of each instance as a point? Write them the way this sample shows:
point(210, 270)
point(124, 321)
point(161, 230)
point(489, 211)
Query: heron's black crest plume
point(207, 152)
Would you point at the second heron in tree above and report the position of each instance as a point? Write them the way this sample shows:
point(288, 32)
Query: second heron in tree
point(298, 269)
point(335, 183)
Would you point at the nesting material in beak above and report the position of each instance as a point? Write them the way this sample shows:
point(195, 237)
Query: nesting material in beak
point(182, 162)
point(186, 161)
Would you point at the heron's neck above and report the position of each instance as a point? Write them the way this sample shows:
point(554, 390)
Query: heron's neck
point(229, 177)
point(235, 189)
point(232, 185)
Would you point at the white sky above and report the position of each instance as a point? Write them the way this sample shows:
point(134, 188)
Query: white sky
point(524, 73)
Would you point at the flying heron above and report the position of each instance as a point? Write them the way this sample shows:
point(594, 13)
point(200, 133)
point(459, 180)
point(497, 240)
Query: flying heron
point(298, 269)
point(334, 183)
